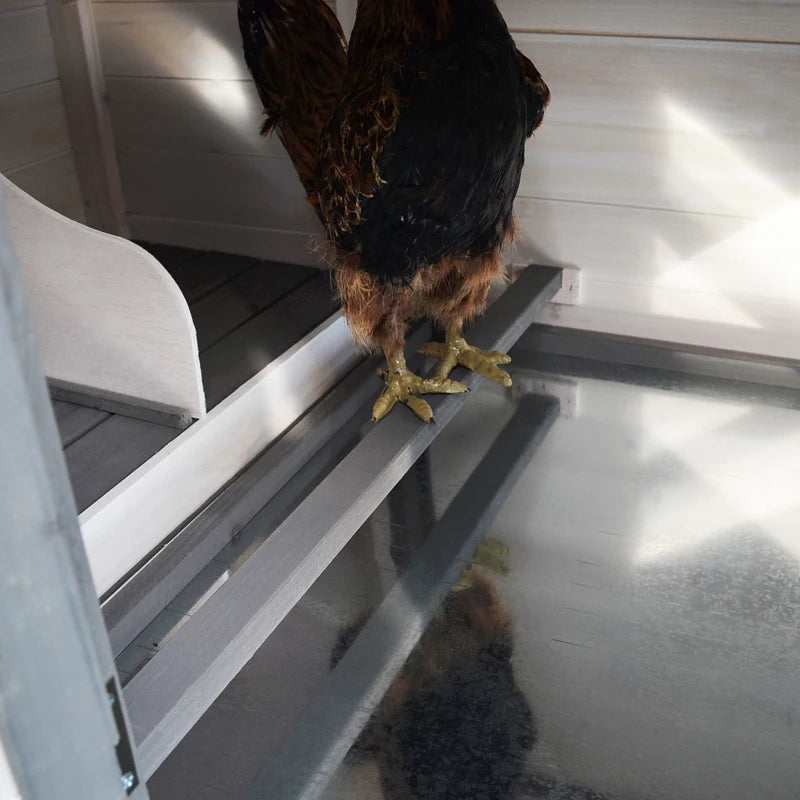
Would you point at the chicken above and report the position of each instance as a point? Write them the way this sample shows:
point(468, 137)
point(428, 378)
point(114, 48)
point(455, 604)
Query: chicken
point(410, 146)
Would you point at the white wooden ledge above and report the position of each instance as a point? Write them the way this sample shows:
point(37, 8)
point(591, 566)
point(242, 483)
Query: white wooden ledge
point(106, 315)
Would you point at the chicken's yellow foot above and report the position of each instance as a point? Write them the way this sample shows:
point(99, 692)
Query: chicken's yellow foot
point(455, 350)
point(491, 554)
point(403, 386)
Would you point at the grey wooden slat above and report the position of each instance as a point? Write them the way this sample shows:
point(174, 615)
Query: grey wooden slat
point(170, 256)
point(139, 600)
point(76, 420)
point(169, 695)
point(253, 496)
point(319, 741)
point(114, 403)
point(247, 350)
point(202, 274)
point(243, 297)
point(109, 453)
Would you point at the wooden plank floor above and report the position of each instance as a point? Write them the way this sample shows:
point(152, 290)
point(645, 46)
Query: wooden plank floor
point(247, 312)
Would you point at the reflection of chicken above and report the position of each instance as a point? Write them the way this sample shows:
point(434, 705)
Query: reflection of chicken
point(454, 723)
point(410, 146)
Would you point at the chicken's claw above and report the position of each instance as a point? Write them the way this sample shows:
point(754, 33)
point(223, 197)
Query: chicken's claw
point(403, 386)
point(456, 351)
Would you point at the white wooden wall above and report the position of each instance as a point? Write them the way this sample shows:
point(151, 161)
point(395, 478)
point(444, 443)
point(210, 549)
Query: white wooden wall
point(668, 166)
point(194, 169)
point(35, 148)
point(667, 170)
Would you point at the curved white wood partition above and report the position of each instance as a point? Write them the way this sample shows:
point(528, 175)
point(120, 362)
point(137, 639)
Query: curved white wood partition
point(106, 314)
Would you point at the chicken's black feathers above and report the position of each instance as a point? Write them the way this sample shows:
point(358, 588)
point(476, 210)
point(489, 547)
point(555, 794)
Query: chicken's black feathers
point(452, 166)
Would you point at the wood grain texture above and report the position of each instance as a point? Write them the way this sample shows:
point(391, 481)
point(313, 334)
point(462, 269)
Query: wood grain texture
point(663, 125)
point(106, 313)
point(34, 125)
point(243, 297)
point(110, 452)
point(633, 82)
point(693, 318)
point(53, 182)
point(197, 115)
point(751, 20)
point(78, 57)
point(664, 249)
point(26, 51)
point(148, 505)
point(251, 347)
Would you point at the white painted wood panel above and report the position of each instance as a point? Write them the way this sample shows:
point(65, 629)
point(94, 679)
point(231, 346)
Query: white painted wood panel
point(34, 126)
point(14, 5)
point(202, 116)
point(54, 182)
point(745, 259)
point(231, 189)
point(106, 314)
point(290, 247)
point(128, 522)
point(177, 40)
point(694, 318)
point(732, 87)
point(753, 20)
point(82, 83)
point(26, 51)
point(698, 171)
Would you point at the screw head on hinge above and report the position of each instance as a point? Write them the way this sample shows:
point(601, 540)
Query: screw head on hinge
point(128, 779)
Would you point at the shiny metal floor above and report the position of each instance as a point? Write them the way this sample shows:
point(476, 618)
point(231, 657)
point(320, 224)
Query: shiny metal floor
point(632, 633)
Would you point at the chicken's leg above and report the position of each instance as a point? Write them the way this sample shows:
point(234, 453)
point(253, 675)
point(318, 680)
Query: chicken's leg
point(455, 350)
point(404, 386)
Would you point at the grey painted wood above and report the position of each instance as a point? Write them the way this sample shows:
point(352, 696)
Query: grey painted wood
point(205, 272)
point(141, 598)
point(114, 403)
point(172, 691)
point(58, 743)
point(109, 453)
point(307, 758)
point(244, 296)
point(262, 495)
point(75, 420)
point(171, 257)
point(229, 363)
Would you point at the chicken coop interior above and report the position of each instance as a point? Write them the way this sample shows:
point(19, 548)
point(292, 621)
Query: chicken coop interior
point(222, 580)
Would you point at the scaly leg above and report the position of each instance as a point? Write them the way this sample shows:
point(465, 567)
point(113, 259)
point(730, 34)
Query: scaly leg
point(404, 386)
point(455, 350)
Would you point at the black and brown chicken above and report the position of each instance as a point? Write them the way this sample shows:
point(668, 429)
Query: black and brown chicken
point(410, 144)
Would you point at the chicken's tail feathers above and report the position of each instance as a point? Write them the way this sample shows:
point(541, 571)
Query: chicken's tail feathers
point(297, 54)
